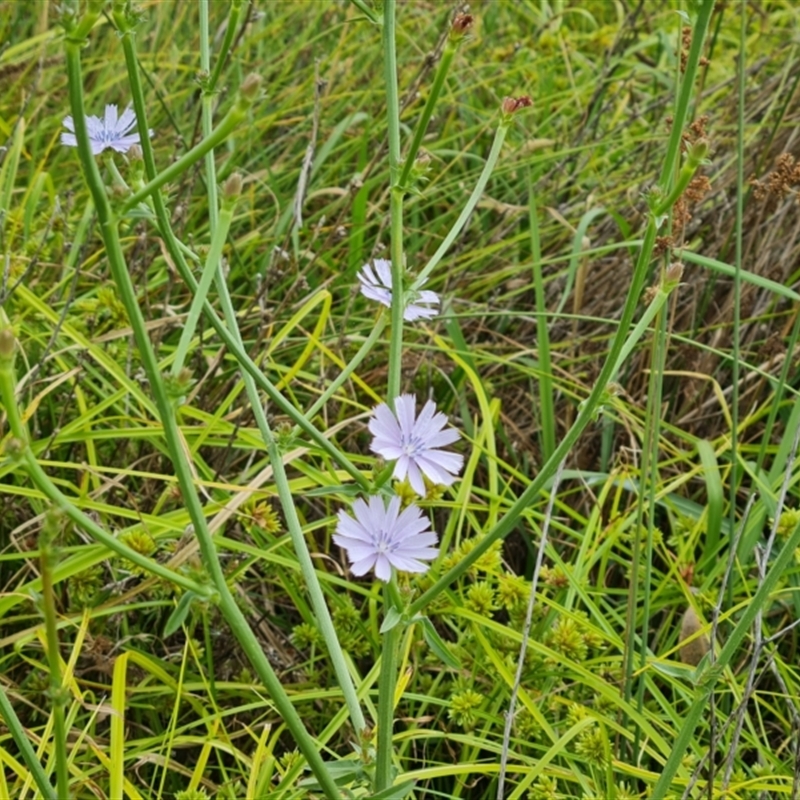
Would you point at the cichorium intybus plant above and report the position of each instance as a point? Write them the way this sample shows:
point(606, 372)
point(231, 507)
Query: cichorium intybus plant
point(384, 526)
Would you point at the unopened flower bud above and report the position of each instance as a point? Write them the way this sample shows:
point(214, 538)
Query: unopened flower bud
point(420, 167)
point(250, 88)
point(697, 152)
point(673, 274)
point(178, 386)
point(232, 187)
point(8, 343)
point(462, 24)
point(692, 651)
point(136, 162)
point(14, 448)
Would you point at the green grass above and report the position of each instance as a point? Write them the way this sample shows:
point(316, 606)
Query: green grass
point(667, 498)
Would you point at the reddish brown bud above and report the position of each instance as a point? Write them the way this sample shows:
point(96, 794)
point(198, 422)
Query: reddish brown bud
point(462, 24)
point(511, 105)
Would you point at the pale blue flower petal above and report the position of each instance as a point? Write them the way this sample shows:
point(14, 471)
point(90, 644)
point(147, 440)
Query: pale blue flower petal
point(113, 132)
point(380, 537)
point(413, 442)
point(376, 284)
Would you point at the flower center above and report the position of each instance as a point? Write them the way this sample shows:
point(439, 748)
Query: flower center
point(412, 446)
point(383, 541)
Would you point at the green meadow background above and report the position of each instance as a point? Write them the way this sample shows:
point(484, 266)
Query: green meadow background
point(674, 522)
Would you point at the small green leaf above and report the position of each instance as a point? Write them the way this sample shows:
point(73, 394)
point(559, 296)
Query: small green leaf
point(391, 620)
point(437, 644)
point(178, 616)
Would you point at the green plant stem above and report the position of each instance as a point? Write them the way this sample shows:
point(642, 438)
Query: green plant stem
point(619, 343)
point(427, 112)
point(395, 202)
point(387, 681)
point(587, 413)
point(207, 121)
point(645, 516)
point(212, 266)
point(17, 731)
point(219, 229)
point(302, 553)
point(209, 654)
point(704, 10)
point(252, 376)
point(58, 698)
point(488, 168)
point(230, 122)
point(227, 604)
point(230, 32)
point(656, 304)
point(736, 471)
point(364, 7)
point(685, 176)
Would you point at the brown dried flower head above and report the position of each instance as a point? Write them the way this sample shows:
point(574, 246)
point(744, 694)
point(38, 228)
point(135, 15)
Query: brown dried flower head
point(462, 25)
point(511, 105)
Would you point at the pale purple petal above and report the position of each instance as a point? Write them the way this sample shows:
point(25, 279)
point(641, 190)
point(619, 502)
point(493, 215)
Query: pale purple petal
point(112, 132)
point(380, 537)
point(447, 436)
point(411, 470)
point(413, 443)
point(371, 288)
point(96, 127)
point(124, 143)
point(377, 285)
point(405, 408)
point(364, 565)
point(383, 568)
point(407, 565)
point(127, 121)
point(384, 270)
point(110, 119)
point(414, 312)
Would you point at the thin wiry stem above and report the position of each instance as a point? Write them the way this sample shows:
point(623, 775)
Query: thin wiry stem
point(526, 630)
